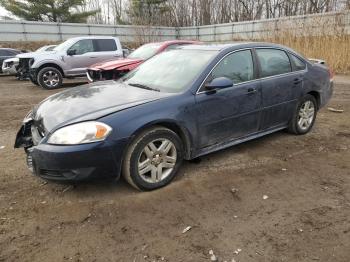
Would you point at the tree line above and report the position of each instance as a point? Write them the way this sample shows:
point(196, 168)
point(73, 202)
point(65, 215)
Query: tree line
point(166, 12)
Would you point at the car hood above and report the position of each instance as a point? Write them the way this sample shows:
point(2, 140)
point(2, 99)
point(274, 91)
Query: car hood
point(35, 54)
point(13, 59)
point(90, 102)
point(115, 64)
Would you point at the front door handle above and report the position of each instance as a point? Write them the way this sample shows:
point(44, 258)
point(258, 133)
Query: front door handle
point(297, 81)
point(93, 56)
point(251, 90)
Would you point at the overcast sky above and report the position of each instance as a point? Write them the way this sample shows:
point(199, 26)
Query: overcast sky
point(2, 11)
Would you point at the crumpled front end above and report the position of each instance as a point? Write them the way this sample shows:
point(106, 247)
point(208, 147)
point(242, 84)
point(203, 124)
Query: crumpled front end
point(69, 162)
point(23, 69)
point(103, 75)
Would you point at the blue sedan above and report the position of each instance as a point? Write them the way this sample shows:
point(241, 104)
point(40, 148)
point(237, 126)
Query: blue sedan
point(179, 105)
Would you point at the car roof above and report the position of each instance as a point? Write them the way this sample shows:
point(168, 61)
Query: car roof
point(172, 42)
point(233, 45)
point(92, 37)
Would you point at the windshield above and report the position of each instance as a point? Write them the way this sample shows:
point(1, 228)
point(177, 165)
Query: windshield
point(171, 71)
point(65, 45)
point(46, 48)
point(144, 52)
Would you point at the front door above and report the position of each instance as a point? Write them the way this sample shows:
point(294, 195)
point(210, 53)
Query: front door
point(85, 55)
point(232, 112)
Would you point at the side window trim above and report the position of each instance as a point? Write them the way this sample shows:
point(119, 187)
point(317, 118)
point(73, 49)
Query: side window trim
point(199, 91)
point(290, 54)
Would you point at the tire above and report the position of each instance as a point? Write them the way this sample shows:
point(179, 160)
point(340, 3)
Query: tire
point(140, 152)
point(303, 118)
point(50, 78)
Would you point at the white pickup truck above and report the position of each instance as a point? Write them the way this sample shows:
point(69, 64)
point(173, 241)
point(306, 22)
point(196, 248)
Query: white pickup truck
point(69, 59)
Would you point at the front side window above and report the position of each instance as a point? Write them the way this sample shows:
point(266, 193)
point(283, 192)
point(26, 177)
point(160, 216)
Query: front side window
point(298, 63)
point(83, 46)
point(238, 66)
point(171, 72)
point(105, 45)
point(273, 62)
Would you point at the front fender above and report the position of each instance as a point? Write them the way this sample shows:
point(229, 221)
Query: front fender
point(40, 63)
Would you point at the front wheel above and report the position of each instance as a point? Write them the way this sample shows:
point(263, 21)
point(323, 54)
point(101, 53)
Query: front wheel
point(304, 116)
point(153, 159)
point(50, 78)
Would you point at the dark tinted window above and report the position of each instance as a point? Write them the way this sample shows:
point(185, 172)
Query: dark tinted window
point(82, 47)
point(6, 53)
point(273, 62)
point(105, 45)
point(298, 63)
point(237, 66)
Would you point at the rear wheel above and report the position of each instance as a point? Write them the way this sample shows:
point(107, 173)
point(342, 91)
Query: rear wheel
point(304, 116)
point(50, 78)
point(153, 159)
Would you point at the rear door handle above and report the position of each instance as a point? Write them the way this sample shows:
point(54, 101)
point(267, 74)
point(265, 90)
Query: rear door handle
point(251, 90)
point(93, 56)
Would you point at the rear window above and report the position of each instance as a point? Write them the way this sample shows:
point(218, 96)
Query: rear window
point(273, 62)
point(298, 63)
point(105, 45)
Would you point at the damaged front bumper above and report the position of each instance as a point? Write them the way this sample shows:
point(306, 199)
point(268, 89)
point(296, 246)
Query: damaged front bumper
point(69, 162)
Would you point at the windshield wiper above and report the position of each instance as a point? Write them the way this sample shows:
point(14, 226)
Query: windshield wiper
point(144, 87)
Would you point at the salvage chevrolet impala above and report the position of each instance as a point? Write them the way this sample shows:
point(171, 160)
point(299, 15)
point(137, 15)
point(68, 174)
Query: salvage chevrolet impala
point(178, 105)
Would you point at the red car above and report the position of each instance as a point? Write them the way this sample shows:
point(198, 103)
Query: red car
point(115, 69)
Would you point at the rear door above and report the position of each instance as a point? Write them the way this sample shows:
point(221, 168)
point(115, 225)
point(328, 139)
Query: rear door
point(280, 86)
point(105, 49)
point(232, 112)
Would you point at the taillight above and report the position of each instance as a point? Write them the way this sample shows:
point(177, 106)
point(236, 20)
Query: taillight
point(331, 74)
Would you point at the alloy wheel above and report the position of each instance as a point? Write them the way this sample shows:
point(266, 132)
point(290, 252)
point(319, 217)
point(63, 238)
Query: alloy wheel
point(51, 78)
point(157, 160)
point(306, 115)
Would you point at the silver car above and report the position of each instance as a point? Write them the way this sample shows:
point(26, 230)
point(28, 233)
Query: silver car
point(10, 65)
point(69, 59)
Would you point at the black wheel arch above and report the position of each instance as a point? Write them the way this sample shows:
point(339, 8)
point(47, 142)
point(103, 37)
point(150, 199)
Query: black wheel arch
point(182, 132)
point(317, 96)
point(51, 65)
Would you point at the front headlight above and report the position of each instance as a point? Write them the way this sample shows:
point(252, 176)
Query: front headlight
point(81, 133)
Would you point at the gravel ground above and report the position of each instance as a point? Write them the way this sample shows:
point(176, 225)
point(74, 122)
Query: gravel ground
point(304, 216)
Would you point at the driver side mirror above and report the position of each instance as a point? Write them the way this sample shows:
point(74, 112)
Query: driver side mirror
point(219, 83)
point(71, 52)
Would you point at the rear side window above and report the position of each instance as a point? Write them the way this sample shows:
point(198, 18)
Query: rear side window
point(82, 47)
point(273, 62)
point(105, 45)
point(298, 63)
point(237, 66)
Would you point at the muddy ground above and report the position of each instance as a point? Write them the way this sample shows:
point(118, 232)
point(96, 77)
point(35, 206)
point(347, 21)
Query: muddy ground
point(306, 216)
